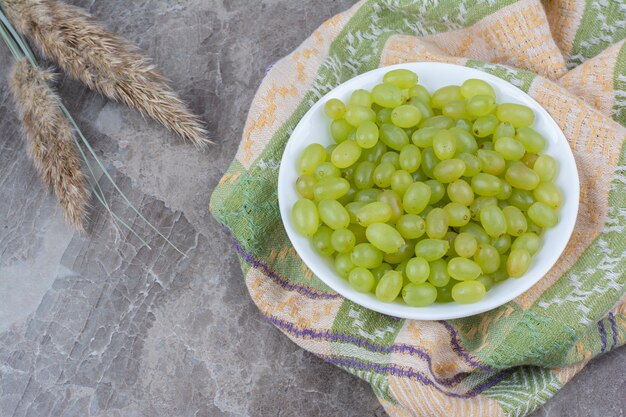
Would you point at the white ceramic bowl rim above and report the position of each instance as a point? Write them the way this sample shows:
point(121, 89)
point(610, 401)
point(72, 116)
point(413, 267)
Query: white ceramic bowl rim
point(313, 128)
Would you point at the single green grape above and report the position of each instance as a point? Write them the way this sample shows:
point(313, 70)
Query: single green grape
point(406, 116)
point(528, 241)
point(343, 240)
point(437, 191)
point(488, 258)
point(545, 167)
point(330, 188)
point(465, 245)
point(423, 137)
point(411, 226)
point(373, 154)
point(363, 176)
point(444, 144)
point(532, 140)
point(419, 295)
point(384, 237)
point(549, 194)
point(468, 292)
point(502, 243)
point(387, 95)
point(367, 196)
point(518, 262)
point(304, 186)
point(505, 191)
point(449, 170)
point(516, 223)
point(472, 164)
point(405, 253)
point(475, 87)
point(333, 214)
point(486, 184)
point(391, 157)
point(394, 201)
point(343, 264)
point(481, 105)
point(543, 215)
point(431, 249)
point(439, 276)
point(429, 160)
point(521, 199)
point(485, 126)
point(383, 116)
point(517, 115)
point(456, 109)
point(366, 255)
point(335, 109)
point(383, 173)
point(305, 217)
point(465, 142)
point(389, 286)
point(321, 241)
point(393, 136)
point(503, 130)
point(326, 169)
point(310, 158)
point(421, 93)
point(417, 270)
point(424, 108)
point(401, 78)
point(493, 220)
point(367, 135)
point(356, 115)
point(436, 223)
point(360, 98)
point(416, 198)
point(522, 177)
point(345, 154)
point(459, 191)
point(445, 95)
point(361, 279)
point(478, 204)
point(401, 181)
point(440, 122)
point(476, 230)
point(463, 269)
point(374, 212)
point(491, 162)
point(353, 208)
point(410, 158)
point(458, 214)
point(510, 149)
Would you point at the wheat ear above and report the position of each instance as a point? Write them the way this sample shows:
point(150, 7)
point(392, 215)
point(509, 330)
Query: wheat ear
point(50, 140)
point(103, 61)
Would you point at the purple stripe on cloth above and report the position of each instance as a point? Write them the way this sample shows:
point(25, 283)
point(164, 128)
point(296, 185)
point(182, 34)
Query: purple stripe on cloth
point(310, 292)
point(456, 345)
point(602, 336)
point(400, 371)
point(613, 329)
point(334, 337)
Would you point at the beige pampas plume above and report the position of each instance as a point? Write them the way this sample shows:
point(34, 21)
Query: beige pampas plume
point(103, 61)
point(50, 140)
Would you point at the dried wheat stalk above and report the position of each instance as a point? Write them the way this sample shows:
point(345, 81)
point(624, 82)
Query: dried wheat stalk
point(103, 61)
point(50, 140)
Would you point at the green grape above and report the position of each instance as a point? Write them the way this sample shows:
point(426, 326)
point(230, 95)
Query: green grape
point(431, 249)
point(543, 215)
point(364, 175)
point(345, 154)
point(472, 164)
point(400, 181)
point(516, 114)
point(406, 116)
point(465, 142)
point(416, 198)
point(361, 279)
point(488, 258)
point(429, 160)
point(330, 188)
point(375, 212)
point(326, 169)
point(468, 292)
point(421, 93)
point(343, 264)
point(367, 256)
point(335, 109)
point(304, 186)
point(528, 241)
point(505, 191)
point(400, 268)
point(487, 281)
point(417, 270)
point(347, 197)
point(359, 233)
point(321, 241)
point(419, 295)
point(305, 217)
point(510, 149)
point(450, 236)
point(444, 294)
point(393, 136)
point(437, 191)
point(423, 137)
point(444, 144)
point(545, 167)
point(478, 204)
point(389, 286)
point(343, 240)
point(383, 173)
point(485, 126)
point(381, 270)
point(487, 145)
point(461, 192)
point(475, 87)
point(330, 148)
point(518, 262)
point(353, 209)
point(394, 201)
point(493, 220)
point(502, 244)
point(516, 223)
point(549, 194)
point(521, 199)
point(476, 230)
point(411, 226)
point(424, 108)
point(458, 214)
point(440, 122)
point(367, 196)
point(436, 223)
point(439, 276)
point(531, 139)
point(522, 177)
point(455, 109)
point(391, 157)
point(449, 170)
point(533, 227)
point(481, 105)
point(352, 135)
point(410, 158)
point(367, 135)
point(529, 160)
point(445, 95)
point(333, 214)
point(503, 130)
point(375, 153)
point(486, 185)
point(356, 115)
point(384, 237)
point(463, 124)
point(383, 116)
point(419, 176)
point(463, 269)
point(360, 98)
point(465, 245)
point(387, 95)
point(405, 252)
point(310, 158)
point(401, 78)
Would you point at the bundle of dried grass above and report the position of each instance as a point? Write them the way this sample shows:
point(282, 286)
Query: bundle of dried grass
point(103, 61)
point(50, 140)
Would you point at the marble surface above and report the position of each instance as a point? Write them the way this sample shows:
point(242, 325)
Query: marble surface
point(98, 325)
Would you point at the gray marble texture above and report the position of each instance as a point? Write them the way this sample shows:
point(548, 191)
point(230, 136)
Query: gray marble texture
point(97, 325)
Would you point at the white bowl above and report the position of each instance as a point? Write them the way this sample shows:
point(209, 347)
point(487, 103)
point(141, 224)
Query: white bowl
point(314, 128)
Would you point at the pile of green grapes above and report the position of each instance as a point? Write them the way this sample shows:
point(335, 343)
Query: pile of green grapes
point(428, 197)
